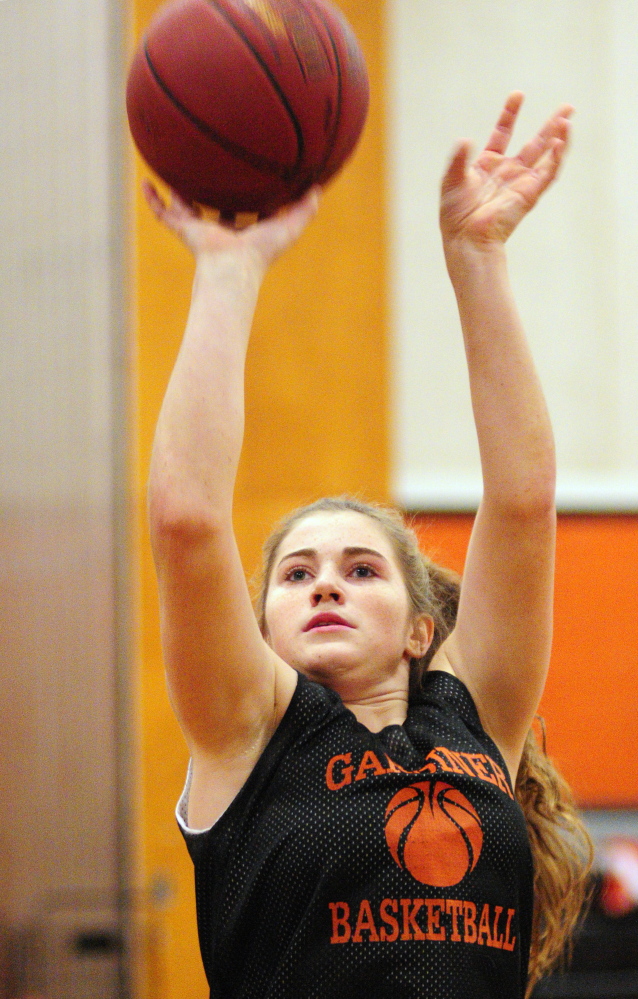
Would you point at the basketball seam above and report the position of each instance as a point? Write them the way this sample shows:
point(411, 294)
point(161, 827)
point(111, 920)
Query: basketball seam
point(302, 68)
point(337, 116)
point(472, 858)
point(265, 33)
point(401, 841)
point(468, 842)
point(407, 829)
point(259, 163)
point(284, 100)
point(431, 797)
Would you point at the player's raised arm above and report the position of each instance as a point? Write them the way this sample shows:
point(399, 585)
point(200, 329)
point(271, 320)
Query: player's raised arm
point(501, 645)
point(227, 687)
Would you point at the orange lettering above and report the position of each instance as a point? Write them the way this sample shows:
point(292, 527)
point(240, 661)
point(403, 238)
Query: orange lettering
point(395, 768)
point(337, 780)
point(507, 943)
point(403, 924)
point(461, 761)
point(501, 779)
point(365, 922)
point(429, 768)
point(481, 763)
point(389, 920)
point(455, 906)
point(340, 922)
point(497, 941)
point(411, 929)
point(469, 913)
point(484, 927)
point(435, 930)
point(473, 764)
point(445, 758)
point(370, 761)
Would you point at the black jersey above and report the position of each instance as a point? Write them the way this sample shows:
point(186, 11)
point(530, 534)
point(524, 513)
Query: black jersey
point(352, 864)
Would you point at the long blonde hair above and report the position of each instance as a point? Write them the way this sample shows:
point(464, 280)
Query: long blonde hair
point(561, 848)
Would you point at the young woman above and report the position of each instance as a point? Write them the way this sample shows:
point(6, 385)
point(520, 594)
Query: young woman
point(351, 802)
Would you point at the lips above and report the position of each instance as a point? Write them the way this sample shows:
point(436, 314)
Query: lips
point(324, 620)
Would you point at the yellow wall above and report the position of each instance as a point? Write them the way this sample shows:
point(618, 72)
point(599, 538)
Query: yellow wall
point(316, 424)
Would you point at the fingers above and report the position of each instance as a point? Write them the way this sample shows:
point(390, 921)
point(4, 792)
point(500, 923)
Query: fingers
point(304, 210)
point(557, 127)
point(455, 173)
point(175, 213)
point(500, 137)
point(532, 183)
point(548, 165)
point(285, 228)
point(153, 199)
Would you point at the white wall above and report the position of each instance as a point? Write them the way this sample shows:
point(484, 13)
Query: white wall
point(574, 261)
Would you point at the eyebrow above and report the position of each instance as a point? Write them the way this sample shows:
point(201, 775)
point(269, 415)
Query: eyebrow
point(350, 551)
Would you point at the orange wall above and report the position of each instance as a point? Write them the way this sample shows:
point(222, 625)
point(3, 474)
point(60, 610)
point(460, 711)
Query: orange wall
point(590, 704)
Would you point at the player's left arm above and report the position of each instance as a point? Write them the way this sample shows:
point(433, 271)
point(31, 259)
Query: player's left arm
point(501, 645)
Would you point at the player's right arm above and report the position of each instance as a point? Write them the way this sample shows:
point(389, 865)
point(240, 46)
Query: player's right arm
point(228, 688)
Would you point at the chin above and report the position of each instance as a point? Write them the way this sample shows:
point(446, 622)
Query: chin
point(323, 672)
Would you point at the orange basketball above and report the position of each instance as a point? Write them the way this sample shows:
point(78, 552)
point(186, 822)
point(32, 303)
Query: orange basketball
point(243, 105)
point(434, 833)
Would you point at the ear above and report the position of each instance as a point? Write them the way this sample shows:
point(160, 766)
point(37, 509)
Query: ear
point(420, 636)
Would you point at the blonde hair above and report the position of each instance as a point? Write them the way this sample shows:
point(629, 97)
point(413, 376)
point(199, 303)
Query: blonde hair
point(561, 848)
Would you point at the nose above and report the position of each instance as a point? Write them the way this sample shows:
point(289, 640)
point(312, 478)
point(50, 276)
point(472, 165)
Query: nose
point(326, 588)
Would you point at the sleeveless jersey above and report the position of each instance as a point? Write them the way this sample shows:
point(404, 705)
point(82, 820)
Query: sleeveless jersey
point(361, 865)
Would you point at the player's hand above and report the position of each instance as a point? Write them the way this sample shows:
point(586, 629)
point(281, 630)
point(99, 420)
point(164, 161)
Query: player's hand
point(262, 241)
point(482, 203)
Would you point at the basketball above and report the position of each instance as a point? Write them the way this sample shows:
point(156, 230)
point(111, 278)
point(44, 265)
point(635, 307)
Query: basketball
point(243, 105)
point(434, 833)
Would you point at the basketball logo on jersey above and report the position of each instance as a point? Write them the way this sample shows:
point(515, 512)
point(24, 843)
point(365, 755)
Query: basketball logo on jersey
point(433, 832)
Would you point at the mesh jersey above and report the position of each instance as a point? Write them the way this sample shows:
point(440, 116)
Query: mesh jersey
point(392, 865)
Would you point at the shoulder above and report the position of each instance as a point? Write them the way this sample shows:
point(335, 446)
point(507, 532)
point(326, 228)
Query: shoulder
point(446, 708)
point(214, 789)
point(441, 688)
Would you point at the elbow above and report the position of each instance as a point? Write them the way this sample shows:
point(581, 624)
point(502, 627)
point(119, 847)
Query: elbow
point(538, 503)
point(180, 518)
point(530, 498)
point(536, 495)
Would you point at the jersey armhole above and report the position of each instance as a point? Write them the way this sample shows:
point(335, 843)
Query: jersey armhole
point(181, 809)
point(471, 718)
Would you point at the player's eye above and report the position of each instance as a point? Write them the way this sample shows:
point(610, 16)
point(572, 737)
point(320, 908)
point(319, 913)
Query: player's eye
point(363, 571)
point(296, 575)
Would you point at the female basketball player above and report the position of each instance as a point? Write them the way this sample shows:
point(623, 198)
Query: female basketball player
point(351, 806)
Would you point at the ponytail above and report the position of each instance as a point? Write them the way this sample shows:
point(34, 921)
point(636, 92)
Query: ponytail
point(562, 852)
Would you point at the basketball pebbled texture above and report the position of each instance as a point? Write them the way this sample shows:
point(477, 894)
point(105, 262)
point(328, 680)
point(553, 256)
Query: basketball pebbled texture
point(242, 105)
point(434, 832)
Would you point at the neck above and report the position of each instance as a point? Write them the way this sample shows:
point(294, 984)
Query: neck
point(375, 701)
point(380, 702)
point(379, 710)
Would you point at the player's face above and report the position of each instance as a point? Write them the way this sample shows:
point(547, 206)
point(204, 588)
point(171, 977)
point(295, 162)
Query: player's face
point(337, 601)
